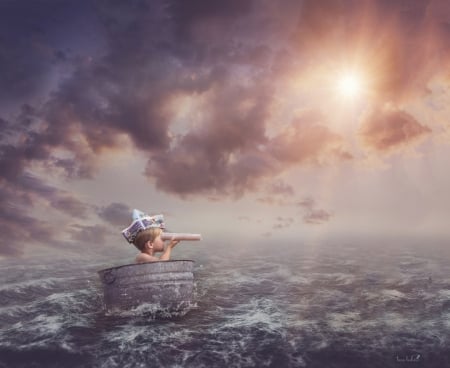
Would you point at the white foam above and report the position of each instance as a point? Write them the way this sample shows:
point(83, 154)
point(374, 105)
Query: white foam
point(392, 294)
point(22, 286)
point(396, 321)
point(44, 330)
point(71, 300)
point(45, 324)
point(258, 312)
point(288, 276)
point(343, 278)
point(152, 311)
point(444, 294)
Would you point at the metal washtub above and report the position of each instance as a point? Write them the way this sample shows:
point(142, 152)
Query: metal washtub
point(166, 284)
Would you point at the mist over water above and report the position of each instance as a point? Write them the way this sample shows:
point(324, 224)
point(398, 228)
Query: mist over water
point(323, 305)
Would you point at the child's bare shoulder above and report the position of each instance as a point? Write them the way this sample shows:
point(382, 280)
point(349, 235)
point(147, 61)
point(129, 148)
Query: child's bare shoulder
point(142, 258)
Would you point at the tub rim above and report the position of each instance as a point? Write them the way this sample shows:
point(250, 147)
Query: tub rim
point(138, 264)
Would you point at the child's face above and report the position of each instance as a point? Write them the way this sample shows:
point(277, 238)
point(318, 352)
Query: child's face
point(158, 244)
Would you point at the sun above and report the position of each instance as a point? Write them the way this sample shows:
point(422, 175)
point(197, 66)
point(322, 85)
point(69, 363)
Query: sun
point(349, 84)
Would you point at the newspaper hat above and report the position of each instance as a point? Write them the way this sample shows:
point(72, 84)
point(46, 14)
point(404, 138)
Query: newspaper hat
point(142, 221)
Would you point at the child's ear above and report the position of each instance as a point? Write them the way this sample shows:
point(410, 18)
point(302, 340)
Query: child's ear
point(149, 244)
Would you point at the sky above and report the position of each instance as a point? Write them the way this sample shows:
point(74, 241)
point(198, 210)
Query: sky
point(245, 120)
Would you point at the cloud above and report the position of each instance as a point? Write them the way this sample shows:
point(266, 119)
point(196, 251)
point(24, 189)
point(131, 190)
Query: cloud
point(63, 201)
point(276, 192)
point(17, 227)
point(316, 216)
point(312, 214)
point(88, 113)
point(19, 197)
point(89, 234)
point(222, 154)
point(30, 52)
point(70, 205)
point(116, 214)
point(270, 200)
point(308, 141)
point(307, 203)
point(390, 129)
point(283, 222)
point(126, 93)
point(397, 45)
point(279, 187)
point(186, 172)
point(231, 154)
point(190, 16)
point(70, 96)
point(105, 99)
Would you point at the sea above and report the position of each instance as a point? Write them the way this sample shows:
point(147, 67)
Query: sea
point(355, 303)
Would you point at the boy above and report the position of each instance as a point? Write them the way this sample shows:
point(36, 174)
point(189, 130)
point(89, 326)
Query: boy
point(149, 242)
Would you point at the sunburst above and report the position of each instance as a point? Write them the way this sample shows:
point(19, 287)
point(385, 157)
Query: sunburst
point(349, 85)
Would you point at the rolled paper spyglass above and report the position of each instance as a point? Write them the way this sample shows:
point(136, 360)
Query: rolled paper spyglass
point(180, 236)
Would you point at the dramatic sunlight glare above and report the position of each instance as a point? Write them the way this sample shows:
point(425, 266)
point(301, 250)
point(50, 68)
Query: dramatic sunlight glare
point(349, 85)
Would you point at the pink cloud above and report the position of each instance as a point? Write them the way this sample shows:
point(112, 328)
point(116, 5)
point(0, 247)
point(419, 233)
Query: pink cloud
point(387, 130)
point(316, 216)
point(313, 215)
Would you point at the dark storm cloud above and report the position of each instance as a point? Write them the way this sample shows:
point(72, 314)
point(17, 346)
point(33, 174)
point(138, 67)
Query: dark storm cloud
point(101, 100)
point(196, 171)
point(29, 43)
point(124, 76)
point(18, 197)
point(391, 129)
point(188, 14)
point(58, 199)
point(222, 155)
point(3, 125)
point(116, 214)
point(19, 144)
point(89, 234)
point(70, 205)
point(125, 92)
point(18, 228)
point(226, 156)
point(145, 65)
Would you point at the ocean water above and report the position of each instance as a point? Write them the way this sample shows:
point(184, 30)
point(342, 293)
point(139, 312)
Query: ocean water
point(326, 305)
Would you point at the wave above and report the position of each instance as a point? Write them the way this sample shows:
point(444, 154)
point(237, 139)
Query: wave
point(153, 311)
point(259, 311)
point(25, 286)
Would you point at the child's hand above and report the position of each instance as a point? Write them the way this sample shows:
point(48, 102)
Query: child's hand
point(172, 243)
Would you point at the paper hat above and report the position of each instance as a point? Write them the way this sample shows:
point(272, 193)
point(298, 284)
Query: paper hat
point(142, 221)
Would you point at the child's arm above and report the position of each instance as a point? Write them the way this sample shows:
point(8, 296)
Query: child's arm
point(166, 255)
